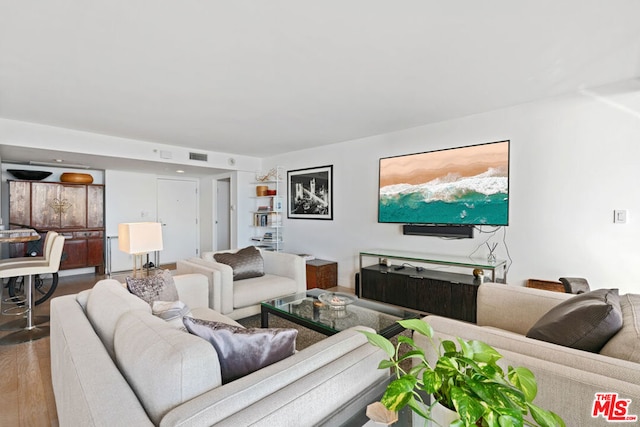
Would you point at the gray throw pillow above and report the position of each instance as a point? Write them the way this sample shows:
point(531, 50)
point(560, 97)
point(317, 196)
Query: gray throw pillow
point(585, 322)
point(246, 263)
point(242, 351)
point(160, 287)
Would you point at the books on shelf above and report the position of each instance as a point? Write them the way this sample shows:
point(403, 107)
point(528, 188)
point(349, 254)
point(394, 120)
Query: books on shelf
point(268, 238)
point(267, 219)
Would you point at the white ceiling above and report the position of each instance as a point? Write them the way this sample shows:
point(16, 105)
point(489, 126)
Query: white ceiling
point(265, 77)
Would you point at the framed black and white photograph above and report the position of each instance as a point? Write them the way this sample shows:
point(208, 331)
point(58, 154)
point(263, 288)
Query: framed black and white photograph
point(310, 193)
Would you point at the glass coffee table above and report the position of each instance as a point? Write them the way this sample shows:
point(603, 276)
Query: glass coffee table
point(331, 312)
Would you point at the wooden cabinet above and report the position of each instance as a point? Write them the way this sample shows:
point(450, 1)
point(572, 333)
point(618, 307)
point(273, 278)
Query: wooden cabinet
point(74, 210)
point(322, 274)
point(429, 291)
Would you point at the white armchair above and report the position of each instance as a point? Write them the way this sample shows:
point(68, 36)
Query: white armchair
point(285, 274)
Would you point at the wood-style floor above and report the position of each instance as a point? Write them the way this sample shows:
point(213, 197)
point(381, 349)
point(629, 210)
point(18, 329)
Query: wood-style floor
point(25, 369)
point(26, 394)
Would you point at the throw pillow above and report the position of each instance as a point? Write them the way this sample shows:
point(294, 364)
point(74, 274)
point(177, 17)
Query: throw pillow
point(242, 351)
point(160, 287)
point(626, 343)
point(169, 310)
point(585, 322)
point(246, 263)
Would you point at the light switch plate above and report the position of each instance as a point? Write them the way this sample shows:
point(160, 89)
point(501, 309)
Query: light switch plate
point(620, 216)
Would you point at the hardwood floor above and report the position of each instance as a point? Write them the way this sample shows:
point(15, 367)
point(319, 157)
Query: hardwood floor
point(25, 369)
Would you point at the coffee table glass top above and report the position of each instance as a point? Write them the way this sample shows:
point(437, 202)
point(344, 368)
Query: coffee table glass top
point(307, 309)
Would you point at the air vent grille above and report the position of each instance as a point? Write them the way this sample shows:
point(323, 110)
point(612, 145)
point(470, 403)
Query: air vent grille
point(198, 156)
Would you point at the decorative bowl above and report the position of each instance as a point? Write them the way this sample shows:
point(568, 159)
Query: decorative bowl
point(29, 174)
point(336, 299)
point(78, 178)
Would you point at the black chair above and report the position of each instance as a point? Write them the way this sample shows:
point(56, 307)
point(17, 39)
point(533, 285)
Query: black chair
point(575, 285)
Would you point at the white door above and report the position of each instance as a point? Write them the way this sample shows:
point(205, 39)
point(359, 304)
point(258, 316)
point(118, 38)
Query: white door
point(223, 217)
point(178, 213)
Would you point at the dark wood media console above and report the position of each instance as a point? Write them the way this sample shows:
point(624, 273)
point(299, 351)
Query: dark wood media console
point(430, 291)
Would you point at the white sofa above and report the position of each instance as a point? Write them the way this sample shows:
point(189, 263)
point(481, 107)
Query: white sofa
point(285, 274)
point(113, 363)
point(568, 379)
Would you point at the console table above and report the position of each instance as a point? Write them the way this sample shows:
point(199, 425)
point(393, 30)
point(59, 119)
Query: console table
point(405, 282)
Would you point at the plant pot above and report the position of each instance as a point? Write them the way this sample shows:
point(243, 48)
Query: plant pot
point(443, 415)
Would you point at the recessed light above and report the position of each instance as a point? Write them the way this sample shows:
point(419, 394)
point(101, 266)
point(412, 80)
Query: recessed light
point(180, 171)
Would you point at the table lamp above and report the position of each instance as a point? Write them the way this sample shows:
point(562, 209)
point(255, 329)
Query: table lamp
point(139, 238)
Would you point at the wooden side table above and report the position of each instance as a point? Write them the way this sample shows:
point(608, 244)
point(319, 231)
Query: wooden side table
point(322, 274)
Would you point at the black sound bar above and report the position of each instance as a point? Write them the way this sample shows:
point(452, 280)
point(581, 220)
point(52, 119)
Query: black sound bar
point(453, 231)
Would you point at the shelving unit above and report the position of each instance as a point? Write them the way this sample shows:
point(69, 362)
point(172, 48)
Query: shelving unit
point(396, 277)
point(266, 219)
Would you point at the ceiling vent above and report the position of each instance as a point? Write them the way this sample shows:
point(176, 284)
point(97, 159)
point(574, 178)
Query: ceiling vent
point(198, 156)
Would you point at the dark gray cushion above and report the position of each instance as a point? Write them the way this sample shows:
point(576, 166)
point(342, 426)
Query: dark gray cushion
point(242, 351)
point(160, 287)
point(585, 322)
point(246, 263)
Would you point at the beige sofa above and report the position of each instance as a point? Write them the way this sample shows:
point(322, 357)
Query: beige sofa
point(113, 363)
point(568, 379)
point(285, 274)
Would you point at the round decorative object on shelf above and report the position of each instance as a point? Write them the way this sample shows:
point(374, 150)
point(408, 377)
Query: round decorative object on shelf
point(29, 174)
point(77, 178)
point(478, 272)
point(261, 190)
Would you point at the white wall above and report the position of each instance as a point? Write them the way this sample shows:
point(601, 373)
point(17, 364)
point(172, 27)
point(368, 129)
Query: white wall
point(129, 197)
point(573, 161)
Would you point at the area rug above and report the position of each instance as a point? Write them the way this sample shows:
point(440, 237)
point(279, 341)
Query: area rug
point(307, 337)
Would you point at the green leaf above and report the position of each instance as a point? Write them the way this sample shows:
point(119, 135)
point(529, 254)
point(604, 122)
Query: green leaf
point(483, 352)
point(381, 342)
point(509, 421)
point(398, 393)
point(449, 347)
point(431, 381)
point(419, 408)
point(406, 340)
point(545, 418)
point(386, 364)
point(469, 409)
point(525, 381)
point(417, 325)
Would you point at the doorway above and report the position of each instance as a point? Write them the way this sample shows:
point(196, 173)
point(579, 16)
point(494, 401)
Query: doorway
point(179, 215)
point(223, 214)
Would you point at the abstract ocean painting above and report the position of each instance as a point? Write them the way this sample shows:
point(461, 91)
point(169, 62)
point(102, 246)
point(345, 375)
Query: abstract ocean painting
point(466, 185)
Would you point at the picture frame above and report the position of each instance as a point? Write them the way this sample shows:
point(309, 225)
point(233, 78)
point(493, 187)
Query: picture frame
point(310, 193)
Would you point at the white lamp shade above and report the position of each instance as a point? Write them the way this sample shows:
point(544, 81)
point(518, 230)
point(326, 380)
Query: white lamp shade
point(139, 237)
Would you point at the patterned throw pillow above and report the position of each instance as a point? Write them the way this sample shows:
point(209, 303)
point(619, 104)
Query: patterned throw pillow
point(242, 351)
point(160, 287)
point(246, 263)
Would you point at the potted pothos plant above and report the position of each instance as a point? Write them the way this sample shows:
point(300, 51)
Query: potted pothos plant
point(466, 378)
